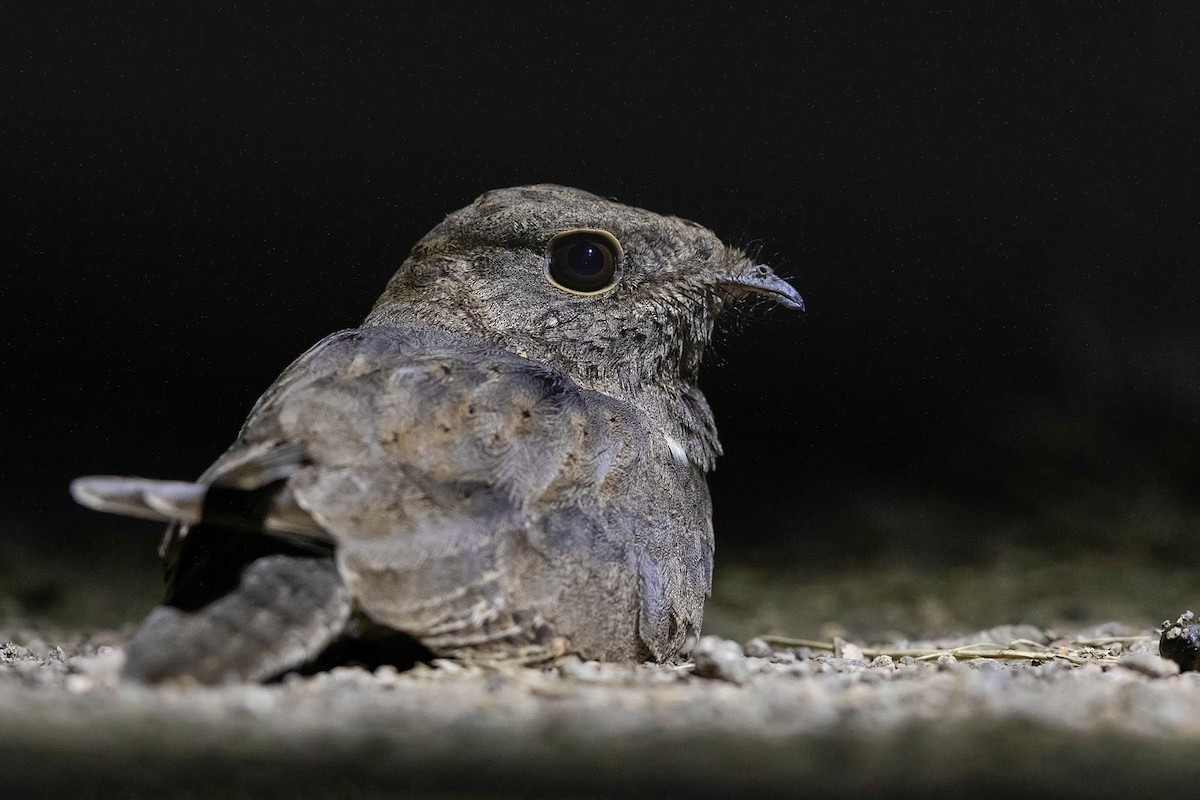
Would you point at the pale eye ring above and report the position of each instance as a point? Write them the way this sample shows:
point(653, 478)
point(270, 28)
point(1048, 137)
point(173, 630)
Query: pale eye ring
point(584, 261)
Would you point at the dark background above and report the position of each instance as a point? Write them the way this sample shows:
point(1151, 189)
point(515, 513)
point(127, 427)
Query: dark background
point(991, 213)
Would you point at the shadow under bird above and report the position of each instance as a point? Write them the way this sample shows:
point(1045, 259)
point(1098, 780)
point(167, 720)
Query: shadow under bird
point(505, 462)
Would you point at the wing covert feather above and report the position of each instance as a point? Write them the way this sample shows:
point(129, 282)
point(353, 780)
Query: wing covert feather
point(483, 501)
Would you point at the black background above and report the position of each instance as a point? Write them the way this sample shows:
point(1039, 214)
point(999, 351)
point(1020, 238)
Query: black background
point(992, 213)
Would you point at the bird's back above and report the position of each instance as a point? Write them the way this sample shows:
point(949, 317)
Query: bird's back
point(483, 502)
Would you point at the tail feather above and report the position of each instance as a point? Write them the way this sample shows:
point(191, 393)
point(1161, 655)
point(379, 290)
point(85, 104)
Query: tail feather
point(175, 500)
point(179, 501)
point(284, 612)
point(127, 496)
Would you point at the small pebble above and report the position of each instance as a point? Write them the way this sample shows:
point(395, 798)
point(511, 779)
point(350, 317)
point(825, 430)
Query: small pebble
point(1180, 641)
point(107, 661)
point(947, 662)
point(883, 661)
point(850, 651)
point(720, 659)
point(589, 671)
point(12, 651)
point(387, 674)
point(1149, 664)
point(759, 648)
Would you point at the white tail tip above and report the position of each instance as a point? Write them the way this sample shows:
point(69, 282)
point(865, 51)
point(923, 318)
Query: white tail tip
point(140, 497)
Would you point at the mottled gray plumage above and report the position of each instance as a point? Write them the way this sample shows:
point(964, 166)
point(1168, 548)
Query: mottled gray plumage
point(499, 467)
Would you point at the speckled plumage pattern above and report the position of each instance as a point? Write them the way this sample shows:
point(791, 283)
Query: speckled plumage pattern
point(501, 469)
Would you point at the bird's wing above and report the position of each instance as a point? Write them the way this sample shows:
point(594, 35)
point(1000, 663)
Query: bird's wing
point(481, 501)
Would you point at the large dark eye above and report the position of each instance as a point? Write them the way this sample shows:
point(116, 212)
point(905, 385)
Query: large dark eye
point(583, 261)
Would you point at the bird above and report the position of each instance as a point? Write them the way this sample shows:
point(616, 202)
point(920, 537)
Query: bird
point(504, 463)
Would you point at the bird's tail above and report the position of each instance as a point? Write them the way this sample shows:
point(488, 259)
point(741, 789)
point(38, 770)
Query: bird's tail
point(285, 610)
point(253, 588)
point(270, 509)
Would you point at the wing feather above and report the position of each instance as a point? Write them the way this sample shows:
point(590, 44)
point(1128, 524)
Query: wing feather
point(479, 500)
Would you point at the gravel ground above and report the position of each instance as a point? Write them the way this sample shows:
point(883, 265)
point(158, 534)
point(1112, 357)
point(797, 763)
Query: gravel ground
point(1082, 708)
point(1094, 712)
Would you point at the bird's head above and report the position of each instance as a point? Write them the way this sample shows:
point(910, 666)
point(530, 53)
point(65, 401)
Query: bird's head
point(610, 294)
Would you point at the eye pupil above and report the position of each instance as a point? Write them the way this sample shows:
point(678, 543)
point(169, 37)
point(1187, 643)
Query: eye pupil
point(585, 258)
point(583, 261)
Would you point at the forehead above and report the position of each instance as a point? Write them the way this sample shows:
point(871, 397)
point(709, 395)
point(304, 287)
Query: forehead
point(549, 206)
point(533, 214)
